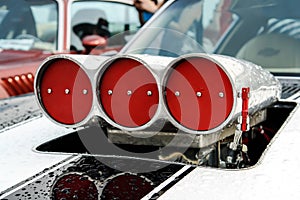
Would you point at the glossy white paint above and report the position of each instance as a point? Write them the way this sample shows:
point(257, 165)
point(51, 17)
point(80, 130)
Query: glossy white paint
point(19, 160)
point(275, 176)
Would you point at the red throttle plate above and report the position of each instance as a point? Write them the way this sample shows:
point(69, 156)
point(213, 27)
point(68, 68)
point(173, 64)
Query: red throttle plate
point(128, 93)
point(66, 92)
point(245, 108)
point(199, 94)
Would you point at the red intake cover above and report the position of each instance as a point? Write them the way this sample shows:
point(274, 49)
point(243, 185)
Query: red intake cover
point(66, 92)
point(199, 94)
point(128, 93)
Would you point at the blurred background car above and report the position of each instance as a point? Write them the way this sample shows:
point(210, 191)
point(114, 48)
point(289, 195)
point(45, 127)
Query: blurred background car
point(31, 30)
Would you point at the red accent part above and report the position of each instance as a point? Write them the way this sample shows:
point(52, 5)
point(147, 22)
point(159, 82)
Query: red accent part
point(204, 112)
point(28, 80)
point(18, 84)
point(123, 75)
point(245, 110)
point(71, 108)
point(127, 186)
point(9, 86)
point(74, 186)
point(94, 41)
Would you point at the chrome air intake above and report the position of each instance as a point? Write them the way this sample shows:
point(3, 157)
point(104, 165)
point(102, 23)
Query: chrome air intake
point(129, 91)
point(203, 92)
point(198, 93)
point(64, 88)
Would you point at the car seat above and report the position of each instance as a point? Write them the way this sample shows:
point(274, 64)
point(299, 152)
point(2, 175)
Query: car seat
point(273, 51)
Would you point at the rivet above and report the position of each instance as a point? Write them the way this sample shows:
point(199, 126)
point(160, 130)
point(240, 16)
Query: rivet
point(109, 92)
point(177, 93)
point(67, 91)
point(84, 91)
point(199, 94)
point(221, 94)
point(49, 90)
point(129, 92)
point(149, 93)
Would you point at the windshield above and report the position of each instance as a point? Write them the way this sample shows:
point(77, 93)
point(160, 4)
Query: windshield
point(28, 24)
point(117, 21)
point(185, 26)
point(264, 32)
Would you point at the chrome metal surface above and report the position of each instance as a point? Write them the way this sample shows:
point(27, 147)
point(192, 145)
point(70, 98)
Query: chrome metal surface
point(162, 138)
point(264, 87)
point(88, 63)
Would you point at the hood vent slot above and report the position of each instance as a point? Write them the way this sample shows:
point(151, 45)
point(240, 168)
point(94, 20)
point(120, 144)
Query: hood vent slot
point(18, 84)
point(290, 88)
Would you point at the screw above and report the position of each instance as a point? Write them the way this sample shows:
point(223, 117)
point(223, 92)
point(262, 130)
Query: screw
point(110, 92)
point(199, 94)
point(221, 94)
point(149, 93)
point(177, 93)
point(49, 90)
point(67, 91)
point(84, 91)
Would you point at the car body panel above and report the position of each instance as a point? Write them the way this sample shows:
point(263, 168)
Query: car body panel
point(9, 57)
point(275, 168)
point(13, 66)
point(26, 141)
point(273, 177)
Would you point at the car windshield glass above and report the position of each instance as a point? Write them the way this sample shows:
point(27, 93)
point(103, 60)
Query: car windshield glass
point(266, 32)
point(185, 27)
point(28, 24)
point(113, 20)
